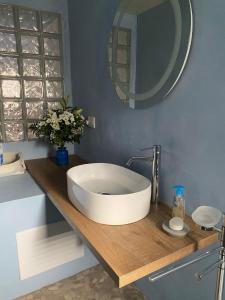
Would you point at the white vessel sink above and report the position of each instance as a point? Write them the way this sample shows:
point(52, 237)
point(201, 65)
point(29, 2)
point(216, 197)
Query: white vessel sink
point(109, 194)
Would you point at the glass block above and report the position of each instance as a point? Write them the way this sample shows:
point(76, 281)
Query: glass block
point(50, 23)
point(113, 72)
point(122, 74)
point(54, 89)
point(6, 16)
point(120, 93)
point(54, 105)
point(122, 56)
point(28, 19)
point(1, 138)
point(33, 89)
point(30, 44)
point(109, 54)
point(31, 67)
point(12, 110)
point(124, 37)
point(52, 68)
point(14, 131)
point(34, 109)
point(51, 47)
point(11, 88)
point(7, 42)
point(8, 66)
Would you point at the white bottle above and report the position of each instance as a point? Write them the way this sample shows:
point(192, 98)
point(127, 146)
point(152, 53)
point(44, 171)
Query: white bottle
point(178, 209)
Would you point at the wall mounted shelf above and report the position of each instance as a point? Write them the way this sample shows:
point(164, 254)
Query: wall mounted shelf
point(128, 252)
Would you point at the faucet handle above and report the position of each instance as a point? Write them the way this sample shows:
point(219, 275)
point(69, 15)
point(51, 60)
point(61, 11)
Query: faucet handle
point(152, 148)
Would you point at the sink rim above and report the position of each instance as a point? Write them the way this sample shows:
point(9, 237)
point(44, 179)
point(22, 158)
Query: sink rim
point(145, 185)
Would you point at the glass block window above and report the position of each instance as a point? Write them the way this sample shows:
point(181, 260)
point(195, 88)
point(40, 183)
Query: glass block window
point(122, 60)
point(31, 69)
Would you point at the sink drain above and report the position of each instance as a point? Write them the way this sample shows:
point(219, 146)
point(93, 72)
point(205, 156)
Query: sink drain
point(104, 193)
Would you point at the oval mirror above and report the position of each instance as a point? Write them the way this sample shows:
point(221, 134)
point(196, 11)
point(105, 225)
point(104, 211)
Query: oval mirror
point(148, 49)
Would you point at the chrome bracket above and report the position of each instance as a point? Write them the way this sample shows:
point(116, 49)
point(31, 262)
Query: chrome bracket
point(220, 264)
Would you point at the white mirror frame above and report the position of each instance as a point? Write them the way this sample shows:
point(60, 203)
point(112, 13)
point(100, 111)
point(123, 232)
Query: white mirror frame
point(182, 45)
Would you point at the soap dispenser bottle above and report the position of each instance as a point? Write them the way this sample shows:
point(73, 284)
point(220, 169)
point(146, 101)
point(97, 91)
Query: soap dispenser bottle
point(178, 209)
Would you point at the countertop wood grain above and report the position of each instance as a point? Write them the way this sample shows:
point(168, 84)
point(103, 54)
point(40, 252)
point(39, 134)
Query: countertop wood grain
point(128, 252)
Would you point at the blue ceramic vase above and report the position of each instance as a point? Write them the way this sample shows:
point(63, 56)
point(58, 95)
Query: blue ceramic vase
point(62, 157)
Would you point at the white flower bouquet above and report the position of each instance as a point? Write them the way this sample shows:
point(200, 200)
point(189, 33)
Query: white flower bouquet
point(62, 125)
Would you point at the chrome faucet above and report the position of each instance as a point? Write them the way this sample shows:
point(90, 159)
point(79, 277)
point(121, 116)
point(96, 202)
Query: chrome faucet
point(155, 160)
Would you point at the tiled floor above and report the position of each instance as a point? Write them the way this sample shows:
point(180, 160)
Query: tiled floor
point(91, 284)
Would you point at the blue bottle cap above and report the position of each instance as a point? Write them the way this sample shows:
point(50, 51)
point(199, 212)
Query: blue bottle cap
point(179, 190)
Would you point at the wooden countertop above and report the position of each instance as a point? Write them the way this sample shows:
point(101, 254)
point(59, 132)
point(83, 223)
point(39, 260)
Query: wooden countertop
point(128, 252)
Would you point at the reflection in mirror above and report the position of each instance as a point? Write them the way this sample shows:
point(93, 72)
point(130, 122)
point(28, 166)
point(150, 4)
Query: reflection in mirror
point(148, 49)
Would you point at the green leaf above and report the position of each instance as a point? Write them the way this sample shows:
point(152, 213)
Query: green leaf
point(77, 111)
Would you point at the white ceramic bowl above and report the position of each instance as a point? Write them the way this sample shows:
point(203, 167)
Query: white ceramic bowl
point(109, 194)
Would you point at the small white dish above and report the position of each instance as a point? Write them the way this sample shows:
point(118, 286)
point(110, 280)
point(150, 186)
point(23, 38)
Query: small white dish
point(206, 216)
point(176, 224)
point(176, 233)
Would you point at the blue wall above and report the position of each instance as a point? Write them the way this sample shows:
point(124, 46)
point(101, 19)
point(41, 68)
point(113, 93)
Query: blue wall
point(189, 124)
